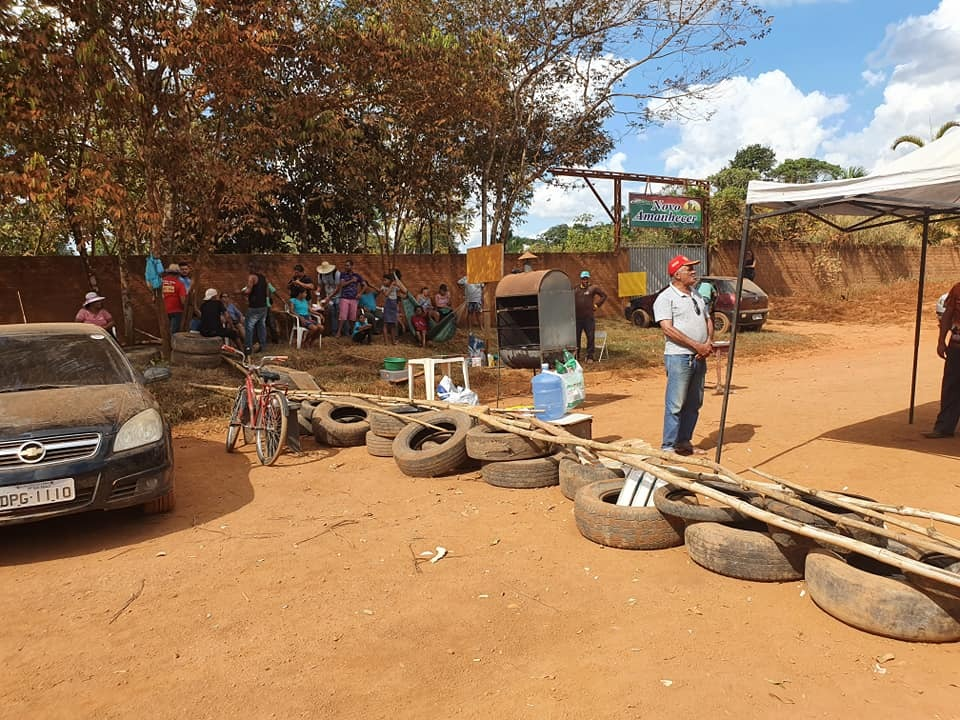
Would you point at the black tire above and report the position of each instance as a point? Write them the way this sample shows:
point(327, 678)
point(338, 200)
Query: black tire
point(163, 504)
point(795, 513)
point(379, 446)
point(601, 520)
point(388, 426)
point(484, 443)
point(744, 554)
point(574, 475)
point(271, 432)
point(721, 324)
point(882, 602)
point(203, 362)
point(306, 409)
point(194, 344)
point(340, 424)
point(690, 507)
point(522, 474)
point(416, 459)
point(239, 418)
point(641, 318)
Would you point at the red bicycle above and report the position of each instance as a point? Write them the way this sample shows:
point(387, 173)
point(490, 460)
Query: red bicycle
point(261, 413)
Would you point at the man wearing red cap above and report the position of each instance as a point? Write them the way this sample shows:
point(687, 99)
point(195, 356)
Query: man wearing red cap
point(688, 331)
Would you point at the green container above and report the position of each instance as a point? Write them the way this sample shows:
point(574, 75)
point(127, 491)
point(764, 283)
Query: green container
point(394, 363)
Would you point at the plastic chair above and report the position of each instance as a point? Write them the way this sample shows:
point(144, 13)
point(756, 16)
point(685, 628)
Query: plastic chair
point(298, 331)
point(600, 340)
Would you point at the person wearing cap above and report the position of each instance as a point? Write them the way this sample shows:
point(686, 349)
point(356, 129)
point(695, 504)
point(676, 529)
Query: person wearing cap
point(213, 317)
point(300, 280)
point(328, 280)
point(94, 313)
point(688, 332)
point(586, 299)
point(948, 349)
point(174, 296)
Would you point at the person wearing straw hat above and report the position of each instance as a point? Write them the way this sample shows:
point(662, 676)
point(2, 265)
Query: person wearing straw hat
point(94, 313)
point(688, 332)
point(328, 282)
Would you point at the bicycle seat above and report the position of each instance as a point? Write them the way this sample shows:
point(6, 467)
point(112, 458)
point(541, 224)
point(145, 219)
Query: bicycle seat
point(269, 375)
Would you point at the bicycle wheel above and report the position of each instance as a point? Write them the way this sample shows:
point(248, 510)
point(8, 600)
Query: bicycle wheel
point(239, 416)
point(271, 429)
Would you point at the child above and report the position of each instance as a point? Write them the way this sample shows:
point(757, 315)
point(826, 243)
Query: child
point(301, 308)
point(420, 325)
point(442, 301)
point(363, 327)
point(423, 300)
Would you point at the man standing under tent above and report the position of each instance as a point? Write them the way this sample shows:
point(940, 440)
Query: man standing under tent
point(688, 332)
point(948, 348)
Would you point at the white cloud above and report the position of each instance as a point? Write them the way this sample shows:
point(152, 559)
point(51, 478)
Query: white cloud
point(768, 110)
point(872, 79)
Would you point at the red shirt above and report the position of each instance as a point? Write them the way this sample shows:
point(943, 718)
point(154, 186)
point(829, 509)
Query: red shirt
point(419, 322)
point(174, 294)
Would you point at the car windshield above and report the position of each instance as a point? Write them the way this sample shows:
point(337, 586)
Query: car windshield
point(34, 362)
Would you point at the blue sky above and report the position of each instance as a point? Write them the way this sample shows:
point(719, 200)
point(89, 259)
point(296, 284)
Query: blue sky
point(835, 79)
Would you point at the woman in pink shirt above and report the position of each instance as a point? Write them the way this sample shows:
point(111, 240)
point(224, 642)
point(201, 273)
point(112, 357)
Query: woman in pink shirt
point(94, 313)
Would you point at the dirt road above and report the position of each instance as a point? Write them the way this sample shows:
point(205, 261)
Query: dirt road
point(296, 591)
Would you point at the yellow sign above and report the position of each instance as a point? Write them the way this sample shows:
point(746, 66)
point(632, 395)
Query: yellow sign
point(485, 264)
point(631, 284)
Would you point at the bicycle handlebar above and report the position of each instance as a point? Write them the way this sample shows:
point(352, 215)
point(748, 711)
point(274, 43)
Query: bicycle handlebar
point(248, 362)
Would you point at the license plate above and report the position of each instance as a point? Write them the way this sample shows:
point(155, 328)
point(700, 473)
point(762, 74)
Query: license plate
point(758, 316)
point(47, 492)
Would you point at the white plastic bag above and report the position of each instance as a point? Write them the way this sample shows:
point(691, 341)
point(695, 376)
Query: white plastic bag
point(574, 387)
point(455, 394)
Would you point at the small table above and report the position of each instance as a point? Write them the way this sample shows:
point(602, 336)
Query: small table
point(429, 373)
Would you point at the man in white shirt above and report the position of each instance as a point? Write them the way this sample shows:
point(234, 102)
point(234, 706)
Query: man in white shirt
point(473, 296)
point(688, 331)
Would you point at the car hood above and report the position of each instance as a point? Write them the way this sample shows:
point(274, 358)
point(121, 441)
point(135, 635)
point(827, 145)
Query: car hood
point(85, 406)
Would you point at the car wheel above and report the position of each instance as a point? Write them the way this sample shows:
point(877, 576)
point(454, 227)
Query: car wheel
point(641, 318)
point(163, 504)
point(721, 324)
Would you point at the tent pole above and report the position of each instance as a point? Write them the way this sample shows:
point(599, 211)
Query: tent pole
point(916, 328)
point(733, 331)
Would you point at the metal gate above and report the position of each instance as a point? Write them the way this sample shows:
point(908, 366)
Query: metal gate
point(653, 260)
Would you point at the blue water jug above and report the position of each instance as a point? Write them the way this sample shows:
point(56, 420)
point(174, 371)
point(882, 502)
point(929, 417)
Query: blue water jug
point(548, 395)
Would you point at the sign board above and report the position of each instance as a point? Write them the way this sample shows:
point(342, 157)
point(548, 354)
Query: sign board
point(485, 264)
point(631, 284)
point(665, 211)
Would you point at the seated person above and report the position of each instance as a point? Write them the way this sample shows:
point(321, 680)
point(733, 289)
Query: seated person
point(300, 307)
point(441, 301)
point(94, 313)
point(423, 300)
point(233, 320)
point(420, 325)
point(212, 316)
point(363, 328)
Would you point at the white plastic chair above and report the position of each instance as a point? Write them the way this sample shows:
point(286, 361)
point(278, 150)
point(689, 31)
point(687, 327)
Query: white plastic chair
point(600, 341)
point(298, 331)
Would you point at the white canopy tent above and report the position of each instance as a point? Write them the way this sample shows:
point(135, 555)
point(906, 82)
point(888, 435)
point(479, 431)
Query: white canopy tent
point(921, 187)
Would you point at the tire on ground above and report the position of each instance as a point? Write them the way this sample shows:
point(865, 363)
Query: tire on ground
point(379, 446)
point(204, 362)
point(882, 601)
point(484, 443)
point(522, 474)
point(195, 344)
point(389, 426)
point(574, 475)
point(601, 520)
point(341, 424)
point(424, 452)
point(686, 505)
point(744, 554)
point(795, 513)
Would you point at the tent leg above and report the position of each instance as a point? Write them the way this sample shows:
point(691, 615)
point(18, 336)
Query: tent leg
point(916, 328)
point(733, 331)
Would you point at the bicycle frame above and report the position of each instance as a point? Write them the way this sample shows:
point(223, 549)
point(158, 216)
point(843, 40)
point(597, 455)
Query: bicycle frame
point(256, 406)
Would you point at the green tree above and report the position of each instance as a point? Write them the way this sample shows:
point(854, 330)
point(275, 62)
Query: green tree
point(758, 158)
point(805, 170)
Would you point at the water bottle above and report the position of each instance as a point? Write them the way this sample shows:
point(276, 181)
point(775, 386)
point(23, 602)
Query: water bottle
point(548, 395)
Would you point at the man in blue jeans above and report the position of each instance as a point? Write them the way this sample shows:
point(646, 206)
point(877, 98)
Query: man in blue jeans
point(255, 325)
point(688, 331)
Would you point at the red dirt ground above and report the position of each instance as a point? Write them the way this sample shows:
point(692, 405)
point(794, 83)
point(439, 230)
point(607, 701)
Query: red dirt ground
point(294, 591)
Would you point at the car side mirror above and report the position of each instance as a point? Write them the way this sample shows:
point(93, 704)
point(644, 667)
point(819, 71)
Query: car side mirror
point(153, 374)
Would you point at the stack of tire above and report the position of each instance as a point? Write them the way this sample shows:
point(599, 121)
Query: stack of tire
point(858, 590)
point(512, 461)
point(434, 446)
point(337, 423)
point(595, 490)
point(384, 428)
point(196, 351)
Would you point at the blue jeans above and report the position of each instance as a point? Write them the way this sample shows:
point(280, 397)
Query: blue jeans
point(174, 322)
point(684, 396)
point(255, 325)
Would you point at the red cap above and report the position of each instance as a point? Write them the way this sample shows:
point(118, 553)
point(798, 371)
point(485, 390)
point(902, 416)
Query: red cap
point(678, 262)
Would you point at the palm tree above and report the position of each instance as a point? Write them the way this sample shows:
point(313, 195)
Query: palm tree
point(918, 141)
point(853, 171)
